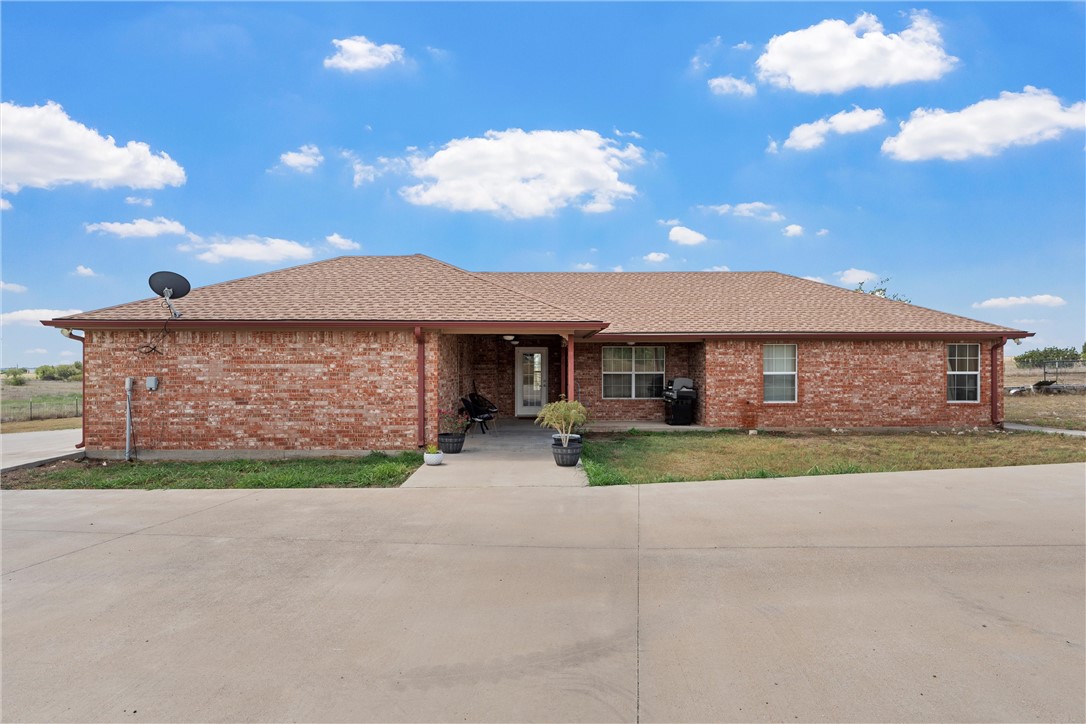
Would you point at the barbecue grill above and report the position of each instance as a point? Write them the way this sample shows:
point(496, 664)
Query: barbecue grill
point(679, 398)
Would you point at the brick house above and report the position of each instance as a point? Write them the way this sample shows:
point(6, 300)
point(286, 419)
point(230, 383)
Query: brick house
point(360, 353)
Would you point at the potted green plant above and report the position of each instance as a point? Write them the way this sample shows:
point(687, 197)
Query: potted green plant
point(564, 415)
point(451, 425)
point(433, 456)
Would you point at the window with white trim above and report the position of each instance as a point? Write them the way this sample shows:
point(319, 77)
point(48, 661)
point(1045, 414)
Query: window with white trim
point(633, 373)
point(779, 373)
point(963, 373)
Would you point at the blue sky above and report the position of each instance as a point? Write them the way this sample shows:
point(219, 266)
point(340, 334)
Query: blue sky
point(941, 146)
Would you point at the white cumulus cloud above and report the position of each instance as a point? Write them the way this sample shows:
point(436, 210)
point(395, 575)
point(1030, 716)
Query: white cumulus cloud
point(834, 56)
point(656, 257)
point(668, 222)
point(742, 46)
point(855, 276)
point(985, 128)
point(158, 226)
point(812, 135)
point(359, 53)
point(84, 271)
point(822, 232)
point(685, 236)
point(815, 279)
point(1041, 300)
point(13, 288)
point(758, 210)
point(36, 350)
point(43, 148)
point(5, 205)
point(340, 242)
point(138, 201)
point(304, 160)
point(585, 266)
point(33, 317)
point(792, 230)
point(727, 85)
point(247, 248)
point(524, 174)
point(718, 268)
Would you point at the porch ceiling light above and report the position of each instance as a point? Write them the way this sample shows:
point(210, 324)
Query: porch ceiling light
point(509, 337)
point(515, 342)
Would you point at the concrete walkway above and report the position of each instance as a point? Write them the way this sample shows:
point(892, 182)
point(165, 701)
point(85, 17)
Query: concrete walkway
point(951, 595)
point(1015, 427)
point(19, 449)
point(514, 453)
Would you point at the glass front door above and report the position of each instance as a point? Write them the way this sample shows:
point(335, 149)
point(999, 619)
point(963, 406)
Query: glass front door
point(531, 380)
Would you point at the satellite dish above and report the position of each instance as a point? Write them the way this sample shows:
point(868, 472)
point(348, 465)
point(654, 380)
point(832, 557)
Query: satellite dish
point(169, 285)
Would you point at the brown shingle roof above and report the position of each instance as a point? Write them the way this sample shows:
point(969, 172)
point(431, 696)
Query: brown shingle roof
point(418, 288)
point(733, 302)
point(357, 289)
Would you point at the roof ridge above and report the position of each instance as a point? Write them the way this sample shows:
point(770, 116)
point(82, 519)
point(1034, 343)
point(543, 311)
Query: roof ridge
point(477, 275)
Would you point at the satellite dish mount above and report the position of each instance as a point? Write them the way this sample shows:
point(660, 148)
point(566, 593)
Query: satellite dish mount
point(169, 286)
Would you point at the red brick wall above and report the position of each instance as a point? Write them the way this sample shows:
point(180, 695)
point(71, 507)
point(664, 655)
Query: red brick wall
point(253, 390)
point(842, 384)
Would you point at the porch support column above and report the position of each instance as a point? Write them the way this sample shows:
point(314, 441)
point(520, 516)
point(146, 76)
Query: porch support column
point(421, 385)
point(562, 373)
point(571, 389)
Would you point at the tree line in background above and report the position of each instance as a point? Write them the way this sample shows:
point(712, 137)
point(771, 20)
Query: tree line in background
point(1038, 357)
point(16, 376)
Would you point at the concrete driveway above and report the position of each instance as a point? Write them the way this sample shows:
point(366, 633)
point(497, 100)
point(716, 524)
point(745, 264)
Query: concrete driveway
point(18, 449)
point(927, 596)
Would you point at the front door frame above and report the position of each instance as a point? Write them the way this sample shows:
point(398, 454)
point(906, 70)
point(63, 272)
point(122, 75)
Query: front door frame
point(518, 396)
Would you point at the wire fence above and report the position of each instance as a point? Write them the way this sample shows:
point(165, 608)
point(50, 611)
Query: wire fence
point(24, 410)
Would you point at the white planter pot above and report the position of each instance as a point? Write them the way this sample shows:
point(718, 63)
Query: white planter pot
point(433, 458)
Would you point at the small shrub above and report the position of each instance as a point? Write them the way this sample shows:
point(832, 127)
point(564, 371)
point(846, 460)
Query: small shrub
point(15, 378)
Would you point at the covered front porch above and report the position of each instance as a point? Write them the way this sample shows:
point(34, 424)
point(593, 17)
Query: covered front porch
point(519, 370)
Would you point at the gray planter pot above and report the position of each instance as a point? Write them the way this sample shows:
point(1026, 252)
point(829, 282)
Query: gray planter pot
point(567, 457)
point(450, 442)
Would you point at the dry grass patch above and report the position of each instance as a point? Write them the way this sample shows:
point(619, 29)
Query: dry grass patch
point(674, 457)
point(59, 423)
point(1067, 412)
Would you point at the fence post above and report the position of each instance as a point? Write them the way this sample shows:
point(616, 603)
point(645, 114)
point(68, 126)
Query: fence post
point(31, 409)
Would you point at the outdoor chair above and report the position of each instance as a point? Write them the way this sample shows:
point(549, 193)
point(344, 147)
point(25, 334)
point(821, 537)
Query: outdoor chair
point(475, 414)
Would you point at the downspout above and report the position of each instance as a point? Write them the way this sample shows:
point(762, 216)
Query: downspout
point(995, 392)
point(421, 414)
point(83, 381)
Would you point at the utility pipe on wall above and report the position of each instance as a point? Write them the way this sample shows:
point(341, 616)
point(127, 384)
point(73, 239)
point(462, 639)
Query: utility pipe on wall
point(128, 381)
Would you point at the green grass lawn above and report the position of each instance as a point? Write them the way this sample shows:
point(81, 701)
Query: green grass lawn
point(632, 458)
point(376, 470)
